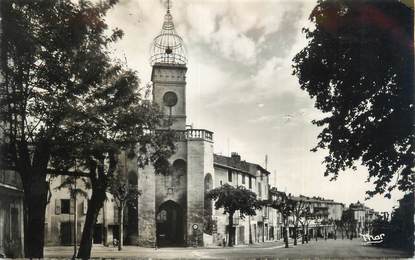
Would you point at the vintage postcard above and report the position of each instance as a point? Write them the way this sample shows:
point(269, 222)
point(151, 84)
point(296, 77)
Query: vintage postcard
point(207, 129)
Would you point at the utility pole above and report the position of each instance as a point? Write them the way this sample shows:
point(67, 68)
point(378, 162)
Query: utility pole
point(275, 178)
point(266, 162)
point(229, 152)
point(75, 220)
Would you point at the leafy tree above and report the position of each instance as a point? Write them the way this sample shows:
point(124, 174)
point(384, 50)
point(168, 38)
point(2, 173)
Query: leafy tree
point(401, 232)
point(298, 211)
point(349, 222)
point(285, 205)
point(233, 199)
point(320, 218)
point(52, 52)
point(326, 222)
point(108, 126)
point(304, 219)
point(339, 225)
point(123, 193)
point(65, 101)
point(358, 67)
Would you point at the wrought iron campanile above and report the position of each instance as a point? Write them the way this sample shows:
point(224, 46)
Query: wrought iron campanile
point(167, 46)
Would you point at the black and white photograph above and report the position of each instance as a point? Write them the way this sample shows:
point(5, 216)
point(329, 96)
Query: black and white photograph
point(207, 129)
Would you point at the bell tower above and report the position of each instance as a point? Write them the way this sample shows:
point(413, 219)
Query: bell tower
point(171, 206)
point(168, 59)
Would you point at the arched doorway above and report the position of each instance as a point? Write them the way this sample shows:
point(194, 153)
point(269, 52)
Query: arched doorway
point(170, 224)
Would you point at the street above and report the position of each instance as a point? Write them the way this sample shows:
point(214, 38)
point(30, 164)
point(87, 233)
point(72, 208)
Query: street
point(272, 250)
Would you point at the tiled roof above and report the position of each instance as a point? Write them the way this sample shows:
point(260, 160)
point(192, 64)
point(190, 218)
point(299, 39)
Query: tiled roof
point(315, 199)
point(237, 164)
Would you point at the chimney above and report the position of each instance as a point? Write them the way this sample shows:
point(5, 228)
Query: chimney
point(235, 156)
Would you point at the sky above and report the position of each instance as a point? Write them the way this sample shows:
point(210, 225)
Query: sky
point(240, 85)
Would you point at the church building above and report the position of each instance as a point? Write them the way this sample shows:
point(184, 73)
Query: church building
point(172, 209)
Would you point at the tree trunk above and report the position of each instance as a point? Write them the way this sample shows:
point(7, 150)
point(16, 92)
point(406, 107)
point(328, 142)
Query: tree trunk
point(121, 225)
point(35, 200)
point(94, 206)
point(231, 233)
point(286, 232)
point(325, 233)
point(250, 231)
point(295, 235)
point(302, 237)
point(33, 175)
point(316, 234)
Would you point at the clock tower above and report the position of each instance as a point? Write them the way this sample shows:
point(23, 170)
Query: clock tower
point(171, 206)
point(168, 58)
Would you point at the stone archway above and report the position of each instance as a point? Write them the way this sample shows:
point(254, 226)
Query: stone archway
point(170, 228)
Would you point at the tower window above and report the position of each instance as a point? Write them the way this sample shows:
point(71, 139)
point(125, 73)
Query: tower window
point(250, 182)
point(243, 178)
point(65, 206)
point(229, 175)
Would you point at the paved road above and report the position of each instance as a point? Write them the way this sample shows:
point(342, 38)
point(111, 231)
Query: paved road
point(321, 249)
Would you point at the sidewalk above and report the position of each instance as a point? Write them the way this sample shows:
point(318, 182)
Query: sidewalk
point(269, 250)
point(100, 250)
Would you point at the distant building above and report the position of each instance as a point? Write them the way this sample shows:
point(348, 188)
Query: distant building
point(11, 205)
point(61, 211)
point(364, 216)
point(11, 214)
point(325, 213)
point(260, 228)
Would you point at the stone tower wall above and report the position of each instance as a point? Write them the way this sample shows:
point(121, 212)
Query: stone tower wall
point(200, 162)
point(147, 207)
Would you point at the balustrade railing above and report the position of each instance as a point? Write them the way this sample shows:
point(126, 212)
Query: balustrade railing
point(189, 134)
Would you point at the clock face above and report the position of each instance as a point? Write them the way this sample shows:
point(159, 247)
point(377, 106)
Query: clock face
point(170, 99)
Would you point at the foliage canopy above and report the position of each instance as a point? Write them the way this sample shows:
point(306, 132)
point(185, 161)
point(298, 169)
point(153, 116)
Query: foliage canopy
point(232, 199)
point(358, 66)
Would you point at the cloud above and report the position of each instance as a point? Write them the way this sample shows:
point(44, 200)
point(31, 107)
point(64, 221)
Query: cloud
point(262, 119)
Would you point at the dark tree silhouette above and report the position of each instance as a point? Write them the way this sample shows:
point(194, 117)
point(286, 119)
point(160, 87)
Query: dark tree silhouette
point(233, 199)
point(109, 126)
point(52, 52)
point(66, 103)
point(349, 223)
point(358, 67)
point(339, 225)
